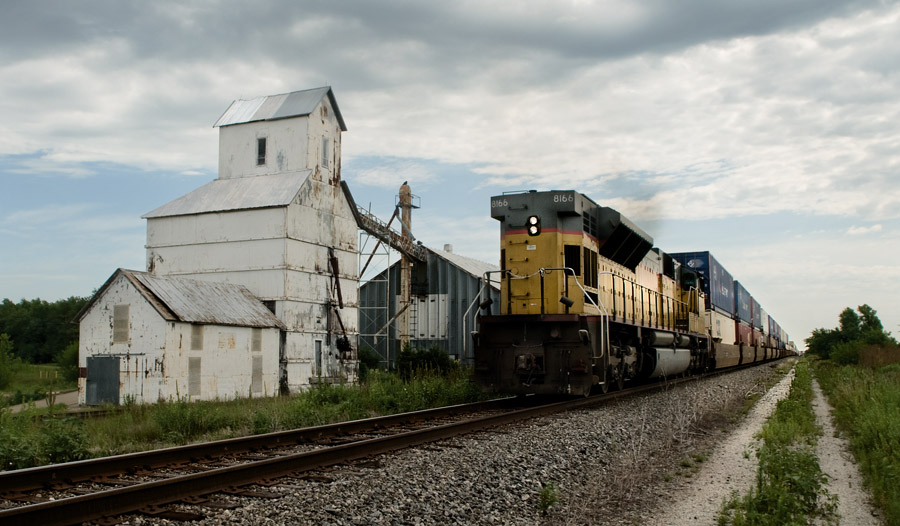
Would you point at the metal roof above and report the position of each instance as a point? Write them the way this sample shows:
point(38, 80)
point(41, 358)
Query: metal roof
point(283, 106)
point(472, 266)
point(222, 195)
point(211, 302)
point(193, 301)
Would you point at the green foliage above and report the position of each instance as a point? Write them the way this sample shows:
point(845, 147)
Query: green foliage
point(417, 361)
point(67, 360)
point(547, 497)
point(28, 439)
point(33, 438)
point(8, 362)
point(846, 353)
point(862, 328)
point(865, 405)
point(790, 485)
point(40, 329)
point(368, 360)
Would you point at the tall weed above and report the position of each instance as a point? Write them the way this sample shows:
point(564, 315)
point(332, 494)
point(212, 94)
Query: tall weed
point(866, 406)
point(790, 485)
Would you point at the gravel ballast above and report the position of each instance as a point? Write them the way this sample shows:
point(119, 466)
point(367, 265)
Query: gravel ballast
point(600, 462)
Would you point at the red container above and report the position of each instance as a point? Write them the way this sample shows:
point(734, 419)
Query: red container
point(743, 333)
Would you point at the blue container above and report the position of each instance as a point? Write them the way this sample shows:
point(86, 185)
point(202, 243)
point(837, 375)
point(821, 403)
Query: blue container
point(718, 285)
point(756, 313)
point(742, 304)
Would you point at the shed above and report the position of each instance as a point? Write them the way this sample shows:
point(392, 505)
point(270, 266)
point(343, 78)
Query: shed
point(146, 338)
point(446, 291)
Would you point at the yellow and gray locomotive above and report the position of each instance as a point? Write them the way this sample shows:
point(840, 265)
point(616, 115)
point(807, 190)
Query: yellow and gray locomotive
point(586, 302)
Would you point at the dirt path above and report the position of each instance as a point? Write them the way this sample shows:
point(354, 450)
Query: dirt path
point(836, 461)
point(730, 468)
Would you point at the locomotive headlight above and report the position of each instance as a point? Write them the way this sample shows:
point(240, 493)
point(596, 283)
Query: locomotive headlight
point(533, 225)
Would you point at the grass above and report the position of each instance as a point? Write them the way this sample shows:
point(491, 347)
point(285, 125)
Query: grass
point(31, 438)
point(866, 403)
point(547, 497)
point(33, 382)
point(790, 485)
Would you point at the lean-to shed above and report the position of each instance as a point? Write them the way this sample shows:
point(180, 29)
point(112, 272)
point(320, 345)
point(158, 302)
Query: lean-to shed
point(146, 338)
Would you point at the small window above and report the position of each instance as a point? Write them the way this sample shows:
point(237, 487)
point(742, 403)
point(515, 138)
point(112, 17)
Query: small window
point(318, 371)
point(260, 151)
point(120, 324)
point(325, 152)
point(256, 340)
point(256, 376)
point(572, 255)
point(196, 337)
point(194, 378)
point(269, 304)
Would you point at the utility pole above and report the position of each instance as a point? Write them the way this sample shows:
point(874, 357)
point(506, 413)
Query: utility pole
point(403, 328)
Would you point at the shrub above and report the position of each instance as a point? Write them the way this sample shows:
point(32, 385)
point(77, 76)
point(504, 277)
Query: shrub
point(876, 356)
point(417, 361)
point(846, 353)
point(67, 359)
point(8, 362)
point(368, 360)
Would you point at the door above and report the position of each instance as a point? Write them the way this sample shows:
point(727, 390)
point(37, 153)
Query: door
point(102, 383)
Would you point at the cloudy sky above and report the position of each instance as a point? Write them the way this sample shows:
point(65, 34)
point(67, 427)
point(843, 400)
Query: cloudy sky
point(764, 131)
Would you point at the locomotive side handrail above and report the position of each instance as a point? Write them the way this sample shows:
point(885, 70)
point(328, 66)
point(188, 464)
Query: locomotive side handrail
point(678, 309)
point(604, 314)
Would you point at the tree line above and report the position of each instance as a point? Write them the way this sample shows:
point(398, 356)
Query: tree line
point(39, 330)
point(858, 330)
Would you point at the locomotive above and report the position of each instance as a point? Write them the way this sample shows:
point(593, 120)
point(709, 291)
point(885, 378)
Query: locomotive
point(587, 303)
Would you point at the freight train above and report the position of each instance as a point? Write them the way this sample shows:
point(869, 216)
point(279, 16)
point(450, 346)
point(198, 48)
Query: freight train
point(587, 303)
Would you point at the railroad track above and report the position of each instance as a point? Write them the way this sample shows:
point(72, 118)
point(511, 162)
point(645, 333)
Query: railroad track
point(100, 489)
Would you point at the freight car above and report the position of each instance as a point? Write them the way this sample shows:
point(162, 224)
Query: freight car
point(588, 303)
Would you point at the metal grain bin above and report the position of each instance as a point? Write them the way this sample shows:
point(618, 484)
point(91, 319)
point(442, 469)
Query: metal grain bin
point(717, 282)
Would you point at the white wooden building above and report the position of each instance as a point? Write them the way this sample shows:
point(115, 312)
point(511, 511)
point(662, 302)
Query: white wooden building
point(147, 339)
point(276, 222)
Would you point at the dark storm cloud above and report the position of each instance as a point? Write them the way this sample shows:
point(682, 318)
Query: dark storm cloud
point(453, 35)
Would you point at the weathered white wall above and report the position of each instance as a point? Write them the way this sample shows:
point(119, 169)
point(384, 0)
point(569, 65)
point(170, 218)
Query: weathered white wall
point(216, 227)
point(145, 349)
point(153, 364)
point(226, 362)
point(286, 147)
point(292, 145)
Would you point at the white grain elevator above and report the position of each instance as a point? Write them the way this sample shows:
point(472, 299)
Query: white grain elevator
point(275, 221)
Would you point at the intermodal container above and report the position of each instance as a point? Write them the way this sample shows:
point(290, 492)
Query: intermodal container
point(742, 302)
point(717, 282)
point(756, 313)
point(743, 333)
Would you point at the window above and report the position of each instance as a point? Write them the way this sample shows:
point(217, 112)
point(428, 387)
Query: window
point(194, 377)
point(572, 258)
point(196, 337)
point(260, 151)
point(256, 340)
point(318, 370)
point(256, 377)
point(269, 304)
point(590, 268)
point(325, 152)
point(120, 324)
